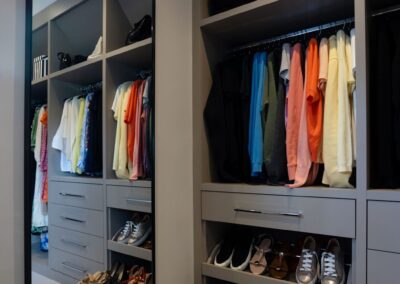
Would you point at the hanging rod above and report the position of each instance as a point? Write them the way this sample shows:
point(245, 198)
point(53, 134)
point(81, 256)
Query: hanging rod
point(386, 11)
point(296, 34)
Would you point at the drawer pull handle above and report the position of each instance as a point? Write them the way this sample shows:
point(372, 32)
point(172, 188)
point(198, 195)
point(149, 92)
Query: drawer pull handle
point(138, 200)
point(72, 267)
point(73, 220)
point(287, 214)
point(73, 243)
point(72, 195)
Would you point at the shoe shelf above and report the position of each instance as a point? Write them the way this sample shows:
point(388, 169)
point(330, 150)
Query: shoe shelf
point(122, 182)
point(265, 17)
point(39, 81)
point(314, 191)
point(76, 179)
point(83, 73)
point(136, 252)
point(238, 277)
point(383, 195)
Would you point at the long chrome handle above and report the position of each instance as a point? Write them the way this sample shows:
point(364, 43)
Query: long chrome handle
point(298, 214)
point(73, 243)
point(72, 195)
point(138, 200)
point(69, 266)
point(73, 220)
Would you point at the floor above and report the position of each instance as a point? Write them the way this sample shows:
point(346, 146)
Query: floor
point(39, 279)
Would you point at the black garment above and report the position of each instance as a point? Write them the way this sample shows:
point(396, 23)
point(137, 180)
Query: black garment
point(226, 118)
point(277, 168)
point(218, 6)
point(94, 159)
point(385, 103)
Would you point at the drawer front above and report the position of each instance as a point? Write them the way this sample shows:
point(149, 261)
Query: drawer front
point(77, 219)
point(129, 198)
point(72, 265)
point(77, 243)
point(90, 196)
point(382, 267)
point(383, 231)
point(334, 217)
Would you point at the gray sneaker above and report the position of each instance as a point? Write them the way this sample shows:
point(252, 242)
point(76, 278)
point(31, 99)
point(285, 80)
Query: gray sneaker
point(307, 270)
point(141, 230)
point(332, 267)
point(123, 234)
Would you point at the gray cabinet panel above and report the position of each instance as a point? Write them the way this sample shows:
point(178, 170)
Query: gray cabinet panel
point(382, 267)
point(77, 243)
point(383, 229)
point(72, 265)
point(129, 198)
point(334, 217)
point(77, 194)
point(77, 219)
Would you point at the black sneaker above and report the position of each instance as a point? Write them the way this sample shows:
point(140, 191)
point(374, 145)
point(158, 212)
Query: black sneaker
point(224, 255)
point(242, 251)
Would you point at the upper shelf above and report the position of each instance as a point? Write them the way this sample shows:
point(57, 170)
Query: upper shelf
point(138, 54)
point(322, 192)
point(266, 18)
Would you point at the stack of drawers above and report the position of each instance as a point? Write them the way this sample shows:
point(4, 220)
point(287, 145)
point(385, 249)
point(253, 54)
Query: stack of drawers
point(76, 228)
point(383, 242)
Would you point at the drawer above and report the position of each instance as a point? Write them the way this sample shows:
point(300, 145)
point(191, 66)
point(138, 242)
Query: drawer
point(77, 243)
point(129, 198)
point(382, 267)
point(383, 229)
point(72, 265)
point(90, 196)
point(77, 219)
point(324, 216)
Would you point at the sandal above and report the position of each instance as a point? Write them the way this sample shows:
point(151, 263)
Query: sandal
point(258, 263)
point(279, 267)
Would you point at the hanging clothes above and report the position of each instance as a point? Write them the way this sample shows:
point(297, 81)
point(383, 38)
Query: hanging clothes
point(284, 73)
point(43, 155)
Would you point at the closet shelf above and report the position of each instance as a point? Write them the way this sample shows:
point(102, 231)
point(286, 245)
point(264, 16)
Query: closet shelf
point(137, 252)
point(239, 277)
point(138, 54)
point(314, 191)
point(77, 179)
point(266, 18)
point(383, 194)
point(40, 81)
point(83, 73)
point(138, 183)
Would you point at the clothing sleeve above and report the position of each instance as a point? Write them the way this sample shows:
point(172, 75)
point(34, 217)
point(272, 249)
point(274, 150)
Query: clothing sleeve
point(58, 138)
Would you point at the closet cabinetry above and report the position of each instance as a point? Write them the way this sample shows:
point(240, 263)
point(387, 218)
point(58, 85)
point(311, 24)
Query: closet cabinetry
point(85, 211)
point(319, 210)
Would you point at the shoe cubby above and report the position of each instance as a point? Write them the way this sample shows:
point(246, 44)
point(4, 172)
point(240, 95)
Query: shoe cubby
point(121, 17)
point(117, 220)
point(128, 261)
point(76, 32)
point(291, 243)
point(60, 91)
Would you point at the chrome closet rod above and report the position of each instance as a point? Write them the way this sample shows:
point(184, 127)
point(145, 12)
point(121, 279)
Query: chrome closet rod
point(386, 11)
point(295, 34)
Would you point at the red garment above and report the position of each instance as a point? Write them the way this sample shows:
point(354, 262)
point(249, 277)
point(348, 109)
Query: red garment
point(43, 156)
point(129, 119)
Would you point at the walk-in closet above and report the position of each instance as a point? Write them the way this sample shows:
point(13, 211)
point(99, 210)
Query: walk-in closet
point(91, 152)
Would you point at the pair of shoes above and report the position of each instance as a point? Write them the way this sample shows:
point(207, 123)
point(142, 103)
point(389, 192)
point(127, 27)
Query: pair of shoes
point(136, 231)
point(258, 263)
point(98, 50)
point(332, 267)
point(97, 278)
point(235, 251)
point(279, 268)
point(141, 30)
point(138, 275)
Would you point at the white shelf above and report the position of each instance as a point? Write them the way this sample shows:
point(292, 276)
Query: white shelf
point(322, 192)
point(263, 19)
point(40, 81)
point(77, 179)
point(137, 252)
point(238, 277)
point(383, 194)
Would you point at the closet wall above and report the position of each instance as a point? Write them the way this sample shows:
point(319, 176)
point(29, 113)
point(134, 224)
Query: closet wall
point(328, 211)
point(85, 212)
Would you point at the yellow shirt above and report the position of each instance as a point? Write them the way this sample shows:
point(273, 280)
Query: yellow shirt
point(77, 144)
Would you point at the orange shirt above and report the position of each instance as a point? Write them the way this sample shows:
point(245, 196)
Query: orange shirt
point(314, 101)
point(129, 118)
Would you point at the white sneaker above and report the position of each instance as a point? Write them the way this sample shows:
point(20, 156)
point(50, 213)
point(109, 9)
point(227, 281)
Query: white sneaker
point(98, 50)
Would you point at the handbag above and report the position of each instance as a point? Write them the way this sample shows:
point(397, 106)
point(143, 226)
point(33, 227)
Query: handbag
point(65, 60)
point(141, 30)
